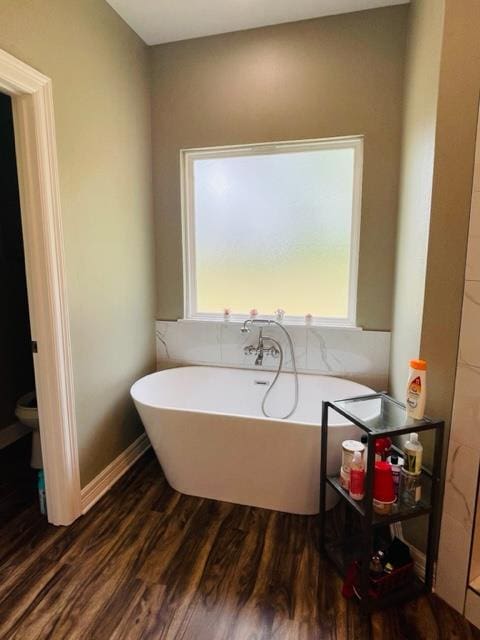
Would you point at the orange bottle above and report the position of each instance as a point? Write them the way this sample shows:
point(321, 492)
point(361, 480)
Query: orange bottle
point(416, 389)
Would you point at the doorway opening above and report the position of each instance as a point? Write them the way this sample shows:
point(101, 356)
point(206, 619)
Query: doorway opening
point(21, 466)
point(41, 221)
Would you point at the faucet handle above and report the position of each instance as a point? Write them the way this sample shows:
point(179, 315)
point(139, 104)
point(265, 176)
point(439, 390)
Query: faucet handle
point(249, 350)
point(274, 352)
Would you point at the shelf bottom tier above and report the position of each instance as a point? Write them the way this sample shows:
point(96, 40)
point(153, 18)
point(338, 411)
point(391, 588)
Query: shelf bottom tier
point(343, 547)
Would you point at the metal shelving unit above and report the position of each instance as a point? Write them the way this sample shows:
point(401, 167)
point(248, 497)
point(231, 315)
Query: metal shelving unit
point(379, 415)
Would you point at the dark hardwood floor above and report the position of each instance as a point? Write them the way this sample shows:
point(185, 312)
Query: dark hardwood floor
point(147, 562)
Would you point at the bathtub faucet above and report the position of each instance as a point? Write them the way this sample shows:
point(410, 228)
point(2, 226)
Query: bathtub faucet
point(261, 350)
point(259, 358)
point(276, 350)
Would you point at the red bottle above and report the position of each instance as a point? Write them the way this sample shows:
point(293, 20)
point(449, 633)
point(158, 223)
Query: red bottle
point(357, 477)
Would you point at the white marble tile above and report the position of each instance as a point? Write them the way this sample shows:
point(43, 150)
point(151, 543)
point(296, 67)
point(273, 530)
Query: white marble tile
point(472, 608)
point(348, 353)
point(452, 566)
point(169, 364)
point(324, 352)
point(466, 408)
point(469, 347)
point(299, 339)
point(360, 355)
point(461, 483)
point(377, 382)
point(189, 342)
point(199, 342)
point(233, 342)
point(166, 339)
point(476, 177)
point(472, 271)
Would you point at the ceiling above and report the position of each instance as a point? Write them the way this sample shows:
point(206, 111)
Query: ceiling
point(158, 21)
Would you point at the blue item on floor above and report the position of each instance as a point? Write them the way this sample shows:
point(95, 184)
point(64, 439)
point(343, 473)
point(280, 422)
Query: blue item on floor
point(42, 498)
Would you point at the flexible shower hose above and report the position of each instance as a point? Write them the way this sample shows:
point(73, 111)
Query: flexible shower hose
point(279, 370)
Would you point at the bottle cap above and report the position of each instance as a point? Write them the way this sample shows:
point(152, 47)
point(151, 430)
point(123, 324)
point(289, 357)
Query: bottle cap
point(394, 459)
point(364, 439)
point(418, 364)
point(413, 437)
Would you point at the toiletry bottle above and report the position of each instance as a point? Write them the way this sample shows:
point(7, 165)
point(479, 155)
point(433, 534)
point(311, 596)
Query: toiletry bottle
point(413, 455)
point(410, 490)
point(397, 464)
point(416, 389)
point(376, 564)
point(357, 477)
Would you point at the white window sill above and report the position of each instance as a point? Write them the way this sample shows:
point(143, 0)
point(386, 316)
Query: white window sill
point(288, 322)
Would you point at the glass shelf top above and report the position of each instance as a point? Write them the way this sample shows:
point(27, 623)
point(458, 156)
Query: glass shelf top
point(379, 413)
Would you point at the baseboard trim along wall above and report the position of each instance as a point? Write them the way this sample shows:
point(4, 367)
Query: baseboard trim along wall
point(111, 474)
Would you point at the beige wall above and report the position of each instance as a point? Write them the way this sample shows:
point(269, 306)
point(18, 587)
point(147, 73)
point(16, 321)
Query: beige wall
point(435, 192)
point(100, 73)
point(425, 33)
point(452, 189)
point(332, 76)
point(430, 267)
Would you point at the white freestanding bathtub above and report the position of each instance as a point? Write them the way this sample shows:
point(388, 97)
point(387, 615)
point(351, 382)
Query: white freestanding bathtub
point(211, 439)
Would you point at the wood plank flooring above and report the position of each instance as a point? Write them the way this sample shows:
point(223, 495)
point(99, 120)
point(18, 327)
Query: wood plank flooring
point(149, 563)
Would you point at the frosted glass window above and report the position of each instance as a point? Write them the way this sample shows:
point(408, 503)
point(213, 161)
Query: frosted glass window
point(273, 227)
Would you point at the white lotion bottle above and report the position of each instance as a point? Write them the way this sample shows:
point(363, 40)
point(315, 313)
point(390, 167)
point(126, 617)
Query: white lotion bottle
point(413, 451)
point(416, 389)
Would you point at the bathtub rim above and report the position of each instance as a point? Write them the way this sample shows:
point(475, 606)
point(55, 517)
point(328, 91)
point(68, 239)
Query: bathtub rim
point(261, 418)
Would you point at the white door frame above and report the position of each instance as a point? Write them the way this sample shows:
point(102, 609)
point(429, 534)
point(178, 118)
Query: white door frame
point(36, 151)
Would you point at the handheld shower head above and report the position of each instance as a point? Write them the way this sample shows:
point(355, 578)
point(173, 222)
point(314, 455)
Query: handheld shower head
point(245, 328)
point(262, 322)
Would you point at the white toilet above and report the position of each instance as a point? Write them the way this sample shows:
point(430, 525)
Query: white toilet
point(27, 413)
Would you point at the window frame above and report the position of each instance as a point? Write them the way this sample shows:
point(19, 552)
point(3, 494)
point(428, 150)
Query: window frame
point(187, 159)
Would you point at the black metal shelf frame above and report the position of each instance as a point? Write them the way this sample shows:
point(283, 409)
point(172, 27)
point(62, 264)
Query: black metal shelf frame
point(364, 508)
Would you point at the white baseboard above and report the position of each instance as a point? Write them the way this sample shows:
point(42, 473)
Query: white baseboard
point(111, 474)
point(13, 432)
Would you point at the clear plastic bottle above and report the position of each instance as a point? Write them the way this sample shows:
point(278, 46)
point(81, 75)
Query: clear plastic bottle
point(357, 477)
point(410, 490)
